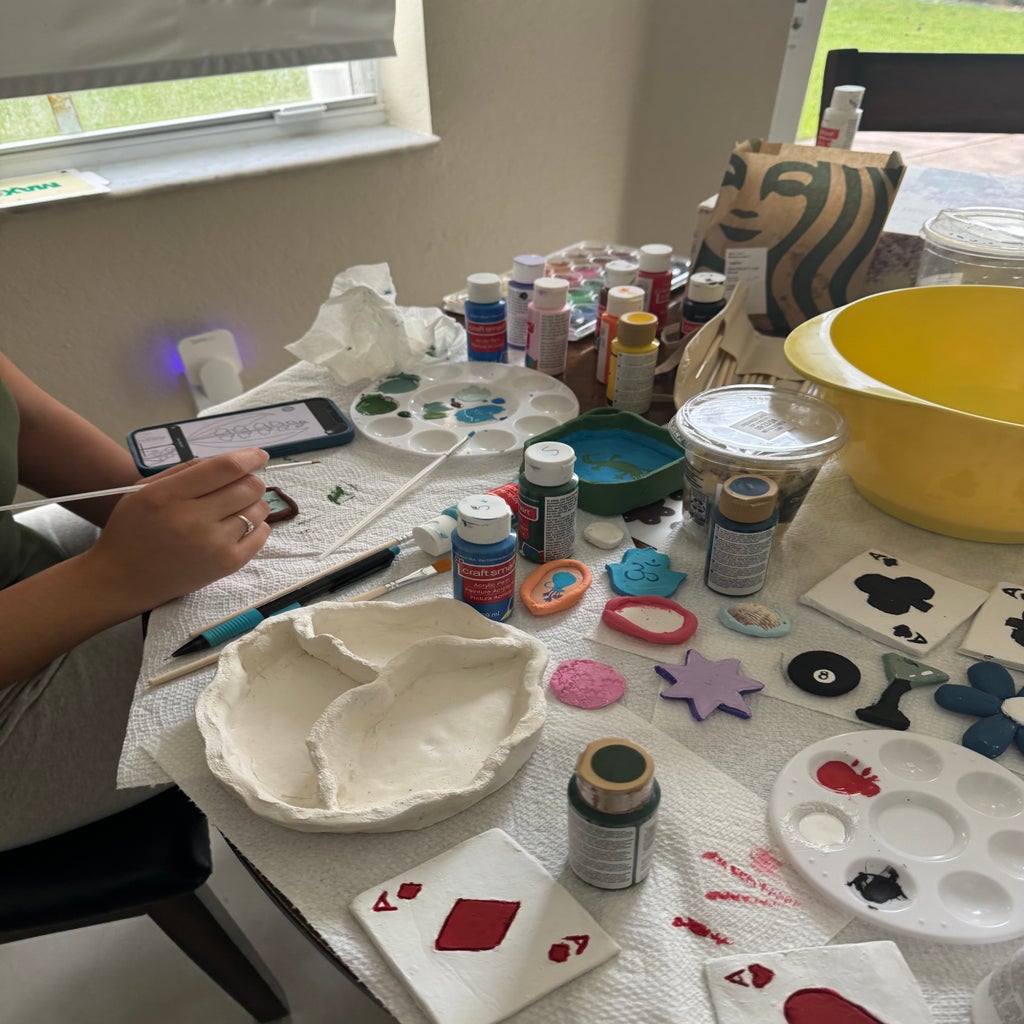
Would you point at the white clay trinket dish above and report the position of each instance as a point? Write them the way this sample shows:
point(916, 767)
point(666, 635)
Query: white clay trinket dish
point(430, 409)
point(918, 836)
point(316, 718)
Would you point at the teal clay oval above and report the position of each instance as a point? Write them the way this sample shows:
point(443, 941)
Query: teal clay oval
point(754, 620)
point(375, 404)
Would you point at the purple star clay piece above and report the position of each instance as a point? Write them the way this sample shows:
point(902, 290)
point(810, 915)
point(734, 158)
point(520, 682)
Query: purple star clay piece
point(709, 685)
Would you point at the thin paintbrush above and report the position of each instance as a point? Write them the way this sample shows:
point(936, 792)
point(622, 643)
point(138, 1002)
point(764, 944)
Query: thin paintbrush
point(110, 491)
point(442, 565)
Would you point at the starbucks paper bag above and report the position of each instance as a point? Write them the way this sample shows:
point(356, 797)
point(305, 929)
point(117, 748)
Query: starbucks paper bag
point(799, 225)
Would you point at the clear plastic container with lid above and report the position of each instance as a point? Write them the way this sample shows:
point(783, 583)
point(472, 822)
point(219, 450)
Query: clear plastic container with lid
point(758, 429)
point(973, 245)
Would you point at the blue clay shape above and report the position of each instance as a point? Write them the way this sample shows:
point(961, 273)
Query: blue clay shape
point(992, 678)
point(644, 572)
point(754, 620)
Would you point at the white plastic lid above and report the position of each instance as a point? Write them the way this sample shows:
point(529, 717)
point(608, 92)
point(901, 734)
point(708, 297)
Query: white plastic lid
point(847, 97)
point(620, 272)
point(549, 463)
point(483, 287)
point(626, 298)
point(707, 286)
point(528, 268)
point(550, 292)
point(990, 232)
point(767, 426)
point(656, 258)
point(484, 519)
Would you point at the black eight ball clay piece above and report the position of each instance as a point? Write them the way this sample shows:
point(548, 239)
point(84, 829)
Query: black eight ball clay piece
point(823, 673)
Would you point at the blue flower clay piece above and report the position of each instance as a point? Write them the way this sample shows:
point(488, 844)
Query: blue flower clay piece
point(992, 698)
point(644, 572)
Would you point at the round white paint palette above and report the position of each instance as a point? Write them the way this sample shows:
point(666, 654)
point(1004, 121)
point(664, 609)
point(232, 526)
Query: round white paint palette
point(428, 410)
point(928, 839)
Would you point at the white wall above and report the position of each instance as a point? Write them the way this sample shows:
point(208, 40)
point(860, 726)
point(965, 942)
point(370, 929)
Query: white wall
point(559, 120)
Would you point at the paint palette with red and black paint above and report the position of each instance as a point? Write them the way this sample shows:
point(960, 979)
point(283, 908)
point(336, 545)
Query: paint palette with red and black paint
point(913, 834)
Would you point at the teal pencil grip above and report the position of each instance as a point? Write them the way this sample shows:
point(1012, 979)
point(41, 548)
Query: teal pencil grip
point(235, 626)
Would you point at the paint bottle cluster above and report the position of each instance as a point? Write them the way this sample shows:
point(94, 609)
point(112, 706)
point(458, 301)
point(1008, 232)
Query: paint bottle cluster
point(546, 302)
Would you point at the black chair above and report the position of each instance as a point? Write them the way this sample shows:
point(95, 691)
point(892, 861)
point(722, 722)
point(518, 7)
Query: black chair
point(152, 859)
point(977, 93)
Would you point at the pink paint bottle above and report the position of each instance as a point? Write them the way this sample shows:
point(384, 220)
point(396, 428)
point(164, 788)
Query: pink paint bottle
point(655, 277)
point(547, 328)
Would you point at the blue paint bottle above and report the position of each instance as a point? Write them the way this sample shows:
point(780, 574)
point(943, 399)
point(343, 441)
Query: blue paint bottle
point(486, 319)
point(484, 556)
point(742, 530)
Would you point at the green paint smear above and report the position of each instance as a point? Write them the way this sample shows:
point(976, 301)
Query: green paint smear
point(375, 404)
point(436, 410)
point(399, 383)
point(473, 393)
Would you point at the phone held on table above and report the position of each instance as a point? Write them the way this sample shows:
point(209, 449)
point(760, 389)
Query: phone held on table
point(286, 428)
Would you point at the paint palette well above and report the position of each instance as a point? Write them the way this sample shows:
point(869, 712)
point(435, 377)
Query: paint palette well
point(431, 409)
point(916, 835)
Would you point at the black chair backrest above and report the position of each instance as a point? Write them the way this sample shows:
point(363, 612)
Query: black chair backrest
point(932, 92)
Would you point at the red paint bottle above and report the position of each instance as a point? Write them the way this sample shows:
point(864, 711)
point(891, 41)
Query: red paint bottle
point(655, 277)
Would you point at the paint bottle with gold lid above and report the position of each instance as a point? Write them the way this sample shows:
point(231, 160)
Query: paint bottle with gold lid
point(613, 814)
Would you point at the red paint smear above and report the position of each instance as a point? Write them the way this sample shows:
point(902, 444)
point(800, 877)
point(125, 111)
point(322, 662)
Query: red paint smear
point(764, 860)
point(476, 925)
point(739, 897)
point(409, 890)
point(814, 1005)
point(841, 778)
point(700, 929)
point(748, 879)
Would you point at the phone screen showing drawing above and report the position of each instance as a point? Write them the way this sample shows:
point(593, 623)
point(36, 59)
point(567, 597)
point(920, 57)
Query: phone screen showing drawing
point(280, 429)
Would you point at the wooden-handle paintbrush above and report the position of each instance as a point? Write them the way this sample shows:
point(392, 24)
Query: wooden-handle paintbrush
point(442, 565)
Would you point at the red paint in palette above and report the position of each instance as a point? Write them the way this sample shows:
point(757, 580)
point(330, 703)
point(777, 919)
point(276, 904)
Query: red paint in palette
point(813, 1005)
point(841, 777)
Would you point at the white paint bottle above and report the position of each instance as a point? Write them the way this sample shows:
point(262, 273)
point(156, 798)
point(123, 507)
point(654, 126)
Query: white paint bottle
point(525, 271)
point(841, 119)
point(547, 331)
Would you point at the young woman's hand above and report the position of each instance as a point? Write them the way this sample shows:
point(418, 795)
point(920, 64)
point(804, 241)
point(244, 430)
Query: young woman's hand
point(187, 527)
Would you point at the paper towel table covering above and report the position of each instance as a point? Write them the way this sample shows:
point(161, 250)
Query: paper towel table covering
point(481, 930)
point(317, 717)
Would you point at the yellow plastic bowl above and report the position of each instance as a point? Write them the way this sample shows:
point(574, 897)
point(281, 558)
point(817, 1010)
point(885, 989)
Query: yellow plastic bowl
point(931, 382)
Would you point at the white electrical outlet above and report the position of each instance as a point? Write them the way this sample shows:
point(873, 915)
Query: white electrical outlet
point(212, 367)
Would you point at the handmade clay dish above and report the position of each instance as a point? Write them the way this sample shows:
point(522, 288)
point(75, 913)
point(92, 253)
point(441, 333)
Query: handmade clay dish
point(931, 382)
point(373, 717)
point(555, 586)
point(655, 619)
point(622, 460)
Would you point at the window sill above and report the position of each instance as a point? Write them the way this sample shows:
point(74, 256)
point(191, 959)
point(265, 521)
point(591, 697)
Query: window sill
point(138, 166)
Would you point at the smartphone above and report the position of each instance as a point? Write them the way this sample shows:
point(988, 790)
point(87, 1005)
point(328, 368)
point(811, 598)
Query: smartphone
point(300, 426)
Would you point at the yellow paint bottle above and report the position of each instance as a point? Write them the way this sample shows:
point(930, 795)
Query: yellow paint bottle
point(634, 356)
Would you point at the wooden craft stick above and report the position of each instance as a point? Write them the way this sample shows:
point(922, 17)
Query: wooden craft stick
point(183, 670)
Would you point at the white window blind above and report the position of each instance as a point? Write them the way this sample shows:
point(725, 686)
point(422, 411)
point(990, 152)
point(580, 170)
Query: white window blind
point(58, 46)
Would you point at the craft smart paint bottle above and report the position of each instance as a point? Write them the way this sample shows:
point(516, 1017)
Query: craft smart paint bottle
point(655, 277)
point(525, 270)
point(742, 529)
point(634, 358)
point(484, 556)
point(613, 814)
point(548, 493)
point(616, 273)
point(621, 299)
point(841, 119)
point(547, 329)
point(486, 321)
point(705, 299)
point(434, 537)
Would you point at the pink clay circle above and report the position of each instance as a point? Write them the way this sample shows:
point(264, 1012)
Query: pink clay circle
point(587, 684)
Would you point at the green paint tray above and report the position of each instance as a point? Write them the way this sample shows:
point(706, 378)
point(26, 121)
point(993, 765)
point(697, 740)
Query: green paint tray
point(623, 461)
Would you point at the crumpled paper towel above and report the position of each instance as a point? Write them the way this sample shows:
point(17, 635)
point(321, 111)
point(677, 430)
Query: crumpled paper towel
point(361, 334)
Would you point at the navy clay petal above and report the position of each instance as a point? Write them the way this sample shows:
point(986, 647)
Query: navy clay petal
point(990, 736)
point(965, 700)
point(991, 677)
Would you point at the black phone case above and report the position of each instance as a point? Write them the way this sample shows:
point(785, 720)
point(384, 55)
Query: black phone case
point(343, 436)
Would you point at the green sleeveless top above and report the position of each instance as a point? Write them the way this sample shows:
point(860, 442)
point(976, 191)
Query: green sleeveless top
point(22, 551)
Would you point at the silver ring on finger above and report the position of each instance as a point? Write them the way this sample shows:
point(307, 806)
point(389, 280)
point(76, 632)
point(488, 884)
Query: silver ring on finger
point(249, 524)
